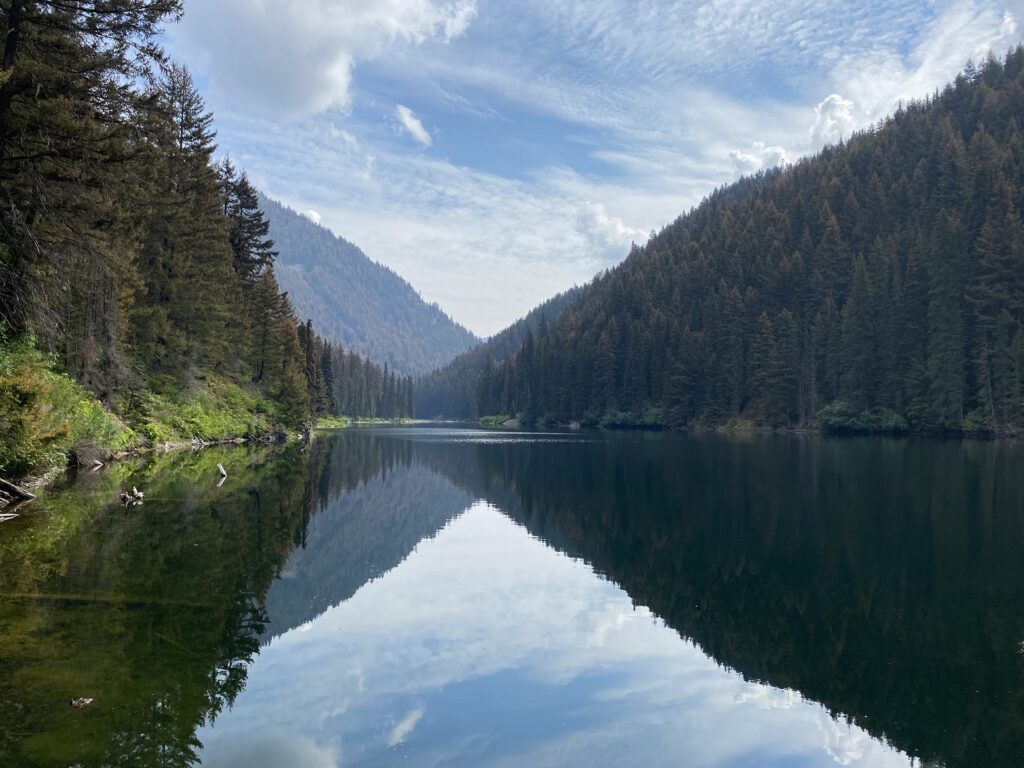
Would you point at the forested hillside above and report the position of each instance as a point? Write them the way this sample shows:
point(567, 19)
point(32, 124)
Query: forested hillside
point(876, 286)
point(133, 267)
point(357, 302)
point(451, 392)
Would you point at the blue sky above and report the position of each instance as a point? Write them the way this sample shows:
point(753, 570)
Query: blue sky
point(497, 153)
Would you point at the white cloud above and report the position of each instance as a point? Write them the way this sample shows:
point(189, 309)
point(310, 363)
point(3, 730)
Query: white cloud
point(404, 727)
point(875, 81)
point(833, 121)
point(296, 57)
point(412, 125)
point(607, 237)
point(760, 156)
point(844, 742)
point(270, 751)
point(312, 215)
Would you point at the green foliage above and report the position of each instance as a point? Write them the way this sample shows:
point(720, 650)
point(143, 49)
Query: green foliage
point(44, 414)
point(841, 418)
point(333, 422)
point(495, 422)
point(216, 409)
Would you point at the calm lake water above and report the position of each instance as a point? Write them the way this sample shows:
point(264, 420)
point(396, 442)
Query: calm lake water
point(446, 597)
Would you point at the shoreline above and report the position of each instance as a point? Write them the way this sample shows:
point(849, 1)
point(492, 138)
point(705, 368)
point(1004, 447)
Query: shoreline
point(491, 424)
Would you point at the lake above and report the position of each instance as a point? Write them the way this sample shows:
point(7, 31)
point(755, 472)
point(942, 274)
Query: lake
point(454, 597)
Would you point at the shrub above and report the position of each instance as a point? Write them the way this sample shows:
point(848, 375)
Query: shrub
point(45, 415)
point(841, 418)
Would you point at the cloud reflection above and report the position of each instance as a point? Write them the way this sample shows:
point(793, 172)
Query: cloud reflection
point(485, 647)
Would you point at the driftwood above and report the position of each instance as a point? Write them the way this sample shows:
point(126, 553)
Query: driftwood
point(18, 493)
point(133, 499)
point(223, 474)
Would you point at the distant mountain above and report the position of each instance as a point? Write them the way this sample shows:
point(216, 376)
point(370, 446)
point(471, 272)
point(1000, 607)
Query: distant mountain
point(450, 392)
point(878, 286)
point(358, 302)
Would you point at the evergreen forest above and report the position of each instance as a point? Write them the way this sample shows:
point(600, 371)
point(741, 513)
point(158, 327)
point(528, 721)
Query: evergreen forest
point(877, 286)
point(138, 296)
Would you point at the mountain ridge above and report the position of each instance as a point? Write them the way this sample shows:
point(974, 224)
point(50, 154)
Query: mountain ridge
point(360, 303)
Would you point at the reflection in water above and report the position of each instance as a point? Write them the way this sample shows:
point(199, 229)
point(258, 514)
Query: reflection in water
point(154, 612)
point(485, 648)
point(626, 599)
point(883, 578)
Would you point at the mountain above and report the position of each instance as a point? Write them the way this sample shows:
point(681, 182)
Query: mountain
point(356, 301)
point(450, 392)
point(878, 286)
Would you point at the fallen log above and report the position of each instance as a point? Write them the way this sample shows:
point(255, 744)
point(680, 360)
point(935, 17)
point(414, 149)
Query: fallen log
point(15, 491)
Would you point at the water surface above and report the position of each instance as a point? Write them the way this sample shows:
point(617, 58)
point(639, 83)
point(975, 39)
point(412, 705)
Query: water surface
point(445, 597)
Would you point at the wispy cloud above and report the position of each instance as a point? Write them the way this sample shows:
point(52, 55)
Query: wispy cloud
point(404, 727)
point(558, 132)
point(412, 125)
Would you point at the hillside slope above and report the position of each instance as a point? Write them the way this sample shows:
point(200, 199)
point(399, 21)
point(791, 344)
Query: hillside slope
point(451, 392)
point(357, 302)
point(878, 286)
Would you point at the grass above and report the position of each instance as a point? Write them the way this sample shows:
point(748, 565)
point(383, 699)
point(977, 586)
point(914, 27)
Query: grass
point(333, 422)
point(45, 415)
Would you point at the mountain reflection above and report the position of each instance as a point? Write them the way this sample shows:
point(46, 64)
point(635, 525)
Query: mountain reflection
point(881, 578)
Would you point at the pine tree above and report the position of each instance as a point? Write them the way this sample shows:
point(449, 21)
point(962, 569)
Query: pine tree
point(945, 323)
point(858, 343)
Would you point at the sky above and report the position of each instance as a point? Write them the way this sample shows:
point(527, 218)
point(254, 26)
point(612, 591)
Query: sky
point(497, 153)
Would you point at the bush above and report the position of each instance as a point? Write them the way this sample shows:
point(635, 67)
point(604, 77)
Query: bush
point(45, 415)
point(217, 409)
point(841, 418)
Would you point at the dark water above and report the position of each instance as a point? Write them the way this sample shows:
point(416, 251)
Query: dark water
point(435, 597)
